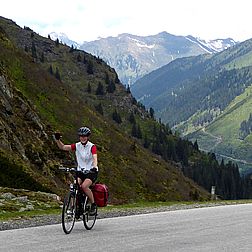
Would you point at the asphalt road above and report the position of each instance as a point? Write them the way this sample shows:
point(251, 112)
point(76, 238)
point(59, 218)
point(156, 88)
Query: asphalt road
point(222, 228)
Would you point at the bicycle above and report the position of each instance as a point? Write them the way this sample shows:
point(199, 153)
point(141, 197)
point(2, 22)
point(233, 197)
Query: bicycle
point(76, 202)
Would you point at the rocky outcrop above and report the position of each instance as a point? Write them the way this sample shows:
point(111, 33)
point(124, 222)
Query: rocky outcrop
point(20, 127)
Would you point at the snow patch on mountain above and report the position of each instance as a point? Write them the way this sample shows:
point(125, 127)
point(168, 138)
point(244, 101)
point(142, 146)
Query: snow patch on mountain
point(144, 45)
point(212, 46)
point(140, 43)
point(63, 38)
point(199, 44)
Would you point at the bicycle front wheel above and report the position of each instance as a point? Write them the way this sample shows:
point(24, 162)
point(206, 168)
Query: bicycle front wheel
point(68, 212)
point(88, 219)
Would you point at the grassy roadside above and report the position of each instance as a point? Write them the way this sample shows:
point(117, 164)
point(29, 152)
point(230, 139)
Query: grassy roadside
point(170, 203)
point(18, 204)
point(21, 203)
point(133, 207)
point(174, 204)
point(27, 214)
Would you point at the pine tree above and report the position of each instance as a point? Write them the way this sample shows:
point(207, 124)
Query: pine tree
point(117, 79)
point(71, 49)
point(152, 112)
point(79, 58)
point(100, 89)
point(134, 130)
point(196, 146)
point(139, 132)
point(171, 149)
point(89, 89)
point(84, 60)
point(107, 80)
point(111, 87)
point(42, 57)
point(156, 147)
point(146, 142)
point(182, 151)
point(116, 117)
point(90, 67)
point(34, 51)
point(99, 108)
point(50, 70)
point(57, 42)
point(132, 118)
point(57, 74)
point(128, 90)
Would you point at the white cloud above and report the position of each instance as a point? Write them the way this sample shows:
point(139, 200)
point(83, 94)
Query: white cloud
point(84, 20)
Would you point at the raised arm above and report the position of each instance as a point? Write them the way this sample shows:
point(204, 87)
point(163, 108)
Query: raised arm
point(65, 147)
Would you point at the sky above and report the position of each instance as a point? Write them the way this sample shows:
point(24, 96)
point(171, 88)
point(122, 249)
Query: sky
point(87, 20)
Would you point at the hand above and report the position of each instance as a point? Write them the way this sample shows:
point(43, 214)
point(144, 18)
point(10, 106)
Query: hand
point(56, 136)
point(94, 169)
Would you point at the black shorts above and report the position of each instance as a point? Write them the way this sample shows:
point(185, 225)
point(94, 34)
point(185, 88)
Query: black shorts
point(92, 175)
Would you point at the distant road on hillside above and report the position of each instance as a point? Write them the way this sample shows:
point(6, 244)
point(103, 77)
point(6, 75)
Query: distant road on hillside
point(218, 141)
point(222, 228)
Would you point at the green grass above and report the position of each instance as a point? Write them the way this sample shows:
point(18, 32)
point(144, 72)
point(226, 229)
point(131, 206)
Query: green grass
point(27, 214)
point(226, 127)
point(158, 204)
point(133, 206)
point(244, 61)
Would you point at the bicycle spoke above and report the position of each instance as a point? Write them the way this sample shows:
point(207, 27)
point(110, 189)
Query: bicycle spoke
point(68, 213)
point(88, 220)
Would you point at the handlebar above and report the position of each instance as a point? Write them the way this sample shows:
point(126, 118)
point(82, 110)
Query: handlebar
point(74, 169)
point(68, 169)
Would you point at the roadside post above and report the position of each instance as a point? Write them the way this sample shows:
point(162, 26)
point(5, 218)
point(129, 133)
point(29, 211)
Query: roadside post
point(213, 197)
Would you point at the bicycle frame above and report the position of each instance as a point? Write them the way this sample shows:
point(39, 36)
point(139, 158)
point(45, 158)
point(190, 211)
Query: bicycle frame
point(76, 200)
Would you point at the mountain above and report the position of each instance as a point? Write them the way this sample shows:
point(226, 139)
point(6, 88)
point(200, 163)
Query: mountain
point(63, 38)
point(134, 56)
point(46, 86)
point(208, 98)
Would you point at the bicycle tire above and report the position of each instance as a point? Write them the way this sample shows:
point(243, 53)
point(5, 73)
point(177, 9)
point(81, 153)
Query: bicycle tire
point(88, 220)
point(68, 212)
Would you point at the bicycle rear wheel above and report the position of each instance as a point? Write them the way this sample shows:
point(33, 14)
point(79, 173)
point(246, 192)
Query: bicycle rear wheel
point(68, 212)
point(88, 220)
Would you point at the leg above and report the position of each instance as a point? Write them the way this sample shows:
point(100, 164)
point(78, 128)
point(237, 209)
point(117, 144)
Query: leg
point(85, 187)
point(79, 181)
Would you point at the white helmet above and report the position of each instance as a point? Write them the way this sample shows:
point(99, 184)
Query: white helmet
point(84, 131)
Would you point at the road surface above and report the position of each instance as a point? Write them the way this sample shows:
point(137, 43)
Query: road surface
point(222, 228)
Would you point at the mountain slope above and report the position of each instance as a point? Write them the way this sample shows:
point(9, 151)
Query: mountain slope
point(199, 93)
point(47, 86)
point(225, 132)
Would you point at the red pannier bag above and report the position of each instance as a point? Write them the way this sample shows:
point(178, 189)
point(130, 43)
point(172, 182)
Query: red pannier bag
point(100, 192)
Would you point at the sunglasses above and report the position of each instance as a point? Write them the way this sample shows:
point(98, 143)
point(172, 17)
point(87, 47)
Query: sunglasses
point(84, 135)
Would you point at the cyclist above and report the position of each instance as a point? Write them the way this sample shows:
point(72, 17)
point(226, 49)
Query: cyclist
point(86, 155)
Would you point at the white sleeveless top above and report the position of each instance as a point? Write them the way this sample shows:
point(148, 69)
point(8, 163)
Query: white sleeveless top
point(84, 155)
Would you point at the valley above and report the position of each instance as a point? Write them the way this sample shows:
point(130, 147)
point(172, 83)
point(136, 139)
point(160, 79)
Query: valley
point(208, 99)
point(47, 86)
